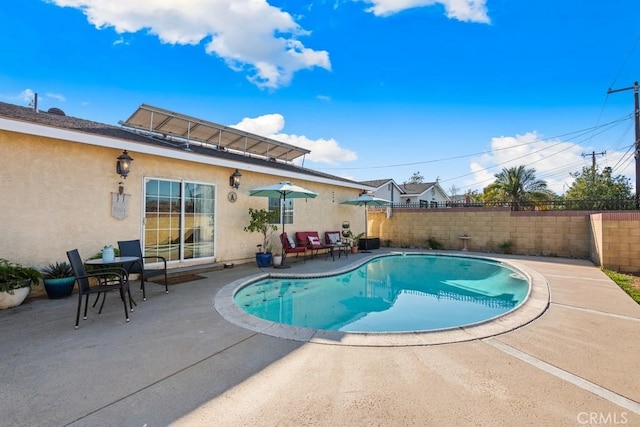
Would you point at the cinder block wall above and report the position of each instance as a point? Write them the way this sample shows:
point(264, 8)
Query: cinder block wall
point(609, 239)
point(616, 241)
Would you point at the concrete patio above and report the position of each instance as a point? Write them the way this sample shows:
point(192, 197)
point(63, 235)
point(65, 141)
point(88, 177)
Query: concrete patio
point(179, 362)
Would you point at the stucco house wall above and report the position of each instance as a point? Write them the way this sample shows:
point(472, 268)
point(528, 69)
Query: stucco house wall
point(57, 197)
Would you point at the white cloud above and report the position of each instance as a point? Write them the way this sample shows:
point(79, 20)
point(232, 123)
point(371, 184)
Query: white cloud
point(249, 35)
point(121, 41)
point(265, 125)
point(322, 150)
point(462, 10)
point(56, 96)
point(26, 95)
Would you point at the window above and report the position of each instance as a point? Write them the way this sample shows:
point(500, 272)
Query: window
point(286, 210)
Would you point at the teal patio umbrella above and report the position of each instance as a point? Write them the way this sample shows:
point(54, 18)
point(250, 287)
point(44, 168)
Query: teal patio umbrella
point(283, 190)
point(366, 200)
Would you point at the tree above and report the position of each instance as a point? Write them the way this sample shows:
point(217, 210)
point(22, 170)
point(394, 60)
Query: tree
point(597, 190)
point(518, 185)
point(453, 191)
point(416, 178)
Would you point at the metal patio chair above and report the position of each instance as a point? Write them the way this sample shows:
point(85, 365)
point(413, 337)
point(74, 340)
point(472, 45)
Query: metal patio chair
point(108, 279)
point(134, 248)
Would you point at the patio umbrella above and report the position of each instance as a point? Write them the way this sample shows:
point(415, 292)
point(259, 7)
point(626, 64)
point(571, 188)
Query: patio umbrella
point(283, 190)
point(366, 200)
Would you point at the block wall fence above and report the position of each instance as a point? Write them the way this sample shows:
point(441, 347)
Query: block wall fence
point(610, 239)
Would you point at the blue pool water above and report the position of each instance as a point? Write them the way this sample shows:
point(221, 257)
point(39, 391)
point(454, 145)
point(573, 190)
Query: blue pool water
point(396, 293)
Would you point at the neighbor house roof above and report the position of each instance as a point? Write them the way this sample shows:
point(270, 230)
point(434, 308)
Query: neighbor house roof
point(417, 188)
point(54, 124)
point(377, 183)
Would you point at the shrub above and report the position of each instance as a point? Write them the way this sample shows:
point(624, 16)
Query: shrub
point(434, 243)
point(506, 247)
point(15, 276)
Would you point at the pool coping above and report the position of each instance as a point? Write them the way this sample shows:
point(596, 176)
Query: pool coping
point(533, 307)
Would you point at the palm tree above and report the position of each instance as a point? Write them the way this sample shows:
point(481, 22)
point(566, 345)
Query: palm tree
point(519, 184)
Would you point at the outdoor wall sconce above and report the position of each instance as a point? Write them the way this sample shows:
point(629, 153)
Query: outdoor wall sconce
point(234, 179)
point(123, 165)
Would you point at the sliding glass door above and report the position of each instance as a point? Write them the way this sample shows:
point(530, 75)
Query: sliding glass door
point(179, 219)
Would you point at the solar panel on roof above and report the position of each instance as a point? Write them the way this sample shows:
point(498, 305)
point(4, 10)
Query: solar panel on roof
point(191, 129)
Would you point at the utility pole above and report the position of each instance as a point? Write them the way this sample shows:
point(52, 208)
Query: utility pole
point(593, 161)
point(637, 135)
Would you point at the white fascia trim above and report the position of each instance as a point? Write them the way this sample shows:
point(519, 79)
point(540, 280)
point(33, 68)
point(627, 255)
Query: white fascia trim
point(103, 141)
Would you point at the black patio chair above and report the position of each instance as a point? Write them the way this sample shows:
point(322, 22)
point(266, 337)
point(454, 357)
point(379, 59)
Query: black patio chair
point(108, 279)
point(134, 248)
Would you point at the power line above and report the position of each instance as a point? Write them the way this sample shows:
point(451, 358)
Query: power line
point(528, 154)
point(576, 134)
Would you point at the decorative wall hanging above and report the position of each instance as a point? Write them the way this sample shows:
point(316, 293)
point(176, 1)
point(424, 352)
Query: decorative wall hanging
point(120, 203)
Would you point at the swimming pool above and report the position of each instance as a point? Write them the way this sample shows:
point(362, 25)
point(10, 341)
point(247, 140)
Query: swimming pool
point(391, 294)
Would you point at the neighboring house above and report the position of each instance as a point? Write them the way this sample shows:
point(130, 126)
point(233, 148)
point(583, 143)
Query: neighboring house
point(426, 194)
point(61, 190)
point(385, 189)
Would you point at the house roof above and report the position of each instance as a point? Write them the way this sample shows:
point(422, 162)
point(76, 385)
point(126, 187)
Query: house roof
point(377, 183)
point(158, 145)
point(416, 188)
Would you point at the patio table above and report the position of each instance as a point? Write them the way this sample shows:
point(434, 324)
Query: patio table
point(117, 261)
point(340, 248)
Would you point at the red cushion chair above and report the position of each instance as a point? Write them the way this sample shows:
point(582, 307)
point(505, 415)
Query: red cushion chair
point(290, 247)
point(311, 240)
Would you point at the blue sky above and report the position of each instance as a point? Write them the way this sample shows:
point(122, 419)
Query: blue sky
point(453, 89)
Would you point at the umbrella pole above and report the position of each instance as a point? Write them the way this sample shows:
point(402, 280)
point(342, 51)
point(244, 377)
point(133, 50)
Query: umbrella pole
point(282, 264)
point(366, 232)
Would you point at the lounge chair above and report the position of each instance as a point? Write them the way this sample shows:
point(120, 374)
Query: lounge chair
point(290, 247)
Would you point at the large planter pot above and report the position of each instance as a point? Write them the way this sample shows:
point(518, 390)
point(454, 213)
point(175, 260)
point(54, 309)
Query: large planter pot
point(59, 288)
point(8, 300)
point(263, 259)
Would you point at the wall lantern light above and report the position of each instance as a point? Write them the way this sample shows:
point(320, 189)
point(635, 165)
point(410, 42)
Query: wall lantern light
point(234, 179)
point(123, 165)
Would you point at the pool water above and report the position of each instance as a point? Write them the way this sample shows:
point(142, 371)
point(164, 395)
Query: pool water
point(395, 293)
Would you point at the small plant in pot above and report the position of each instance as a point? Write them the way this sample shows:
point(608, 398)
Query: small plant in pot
point(58, 280)
point(263, 221)
point(15, 283)
point(354, 240)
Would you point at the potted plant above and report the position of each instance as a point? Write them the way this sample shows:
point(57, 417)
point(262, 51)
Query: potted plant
point(262, 221)
point(58, 280)
point(354, 240)
point(15, 283)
